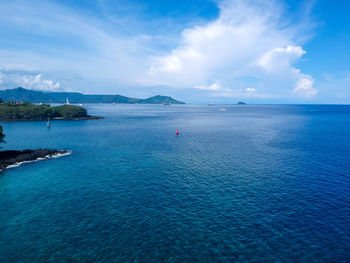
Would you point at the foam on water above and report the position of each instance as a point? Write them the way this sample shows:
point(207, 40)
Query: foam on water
point(58, 155)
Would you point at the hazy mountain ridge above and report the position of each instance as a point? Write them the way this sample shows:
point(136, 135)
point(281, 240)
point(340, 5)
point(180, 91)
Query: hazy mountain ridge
point(21, 94)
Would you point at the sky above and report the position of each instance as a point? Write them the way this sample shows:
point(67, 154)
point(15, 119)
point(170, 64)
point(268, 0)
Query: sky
point(197, 51)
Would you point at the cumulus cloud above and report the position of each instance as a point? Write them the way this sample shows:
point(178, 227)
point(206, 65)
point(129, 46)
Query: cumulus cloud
point(281, 58)
point(250, 38)
point(250, 50)
point(304, 86)
point(11, 77)
point(36, 82)
point(278, 63)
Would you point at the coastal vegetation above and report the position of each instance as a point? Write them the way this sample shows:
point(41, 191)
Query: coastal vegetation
point(29, 111)
point(34, 96)
point(2, 135)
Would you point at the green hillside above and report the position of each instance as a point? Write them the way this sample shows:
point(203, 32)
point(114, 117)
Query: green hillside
point(24, 95)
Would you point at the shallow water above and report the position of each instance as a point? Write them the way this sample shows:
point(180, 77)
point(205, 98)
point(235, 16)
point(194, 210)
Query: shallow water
point(250, 184)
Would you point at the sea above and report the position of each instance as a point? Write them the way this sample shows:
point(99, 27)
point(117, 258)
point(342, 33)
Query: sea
point(239, 183)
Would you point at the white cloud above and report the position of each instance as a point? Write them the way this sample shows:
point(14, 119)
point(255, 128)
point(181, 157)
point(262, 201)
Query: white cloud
point(86, 45)
point(214, 86)
point(250, 38)
point(36, 82)
point(304, 86)
point(250, 89)
point(280, 58)
point(17, 78)
point(240, 93)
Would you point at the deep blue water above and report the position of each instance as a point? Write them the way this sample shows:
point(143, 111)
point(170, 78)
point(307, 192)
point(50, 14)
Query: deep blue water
point(250, 184)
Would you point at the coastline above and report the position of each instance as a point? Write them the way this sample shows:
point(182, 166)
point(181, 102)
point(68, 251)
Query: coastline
point(58, 119)
point(14, 158)
point(79, 118)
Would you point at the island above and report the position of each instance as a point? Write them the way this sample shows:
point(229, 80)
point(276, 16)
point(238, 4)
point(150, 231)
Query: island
point(241, 103)
point(35, 96)
point(29, 111)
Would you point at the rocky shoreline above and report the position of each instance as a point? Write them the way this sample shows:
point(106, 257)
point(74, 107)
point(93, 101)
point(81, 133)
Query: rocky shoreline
point(80, 118)
point(14, 158)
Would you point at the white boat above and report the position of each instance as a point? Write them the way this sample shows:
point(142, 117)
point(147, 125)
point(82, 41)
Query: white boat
point(48, 122)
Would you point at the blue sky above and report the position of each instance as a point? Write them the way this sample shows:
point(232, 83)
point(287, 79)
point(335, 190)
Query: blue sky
point(198, 51)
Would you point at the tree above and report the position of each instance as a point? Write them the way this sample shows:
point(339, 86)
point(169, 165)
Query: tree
point(29, 111)
point(2, 135)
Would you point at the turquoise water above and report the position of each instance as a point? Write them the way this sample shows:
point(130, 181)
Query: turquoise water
point(249, 184)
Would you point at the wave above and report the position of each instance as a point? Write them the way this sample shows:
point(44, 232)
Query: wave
point(49, 156)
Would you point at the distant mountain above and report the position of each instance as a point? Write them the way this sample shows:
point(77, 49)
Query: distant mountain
point(21, 94)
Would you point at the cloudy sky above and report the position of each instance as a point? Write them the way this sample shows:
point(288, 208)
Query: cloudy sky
point(198, 51)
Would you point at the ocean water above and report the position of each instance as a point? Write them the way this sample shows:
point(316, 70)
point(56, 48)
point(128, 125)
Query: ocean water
point(254, 183)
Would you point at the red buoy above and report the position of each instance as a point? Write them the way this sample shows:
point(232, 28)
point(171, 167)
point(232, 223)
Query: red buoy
point(177, 131)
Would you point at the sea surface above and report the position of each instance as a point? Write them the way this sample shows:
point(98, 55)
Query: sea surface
point(254, 183)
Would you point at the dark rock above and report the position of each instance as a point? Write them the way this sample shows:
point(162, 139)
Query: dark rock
point(12, 157)
point(80, 118)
